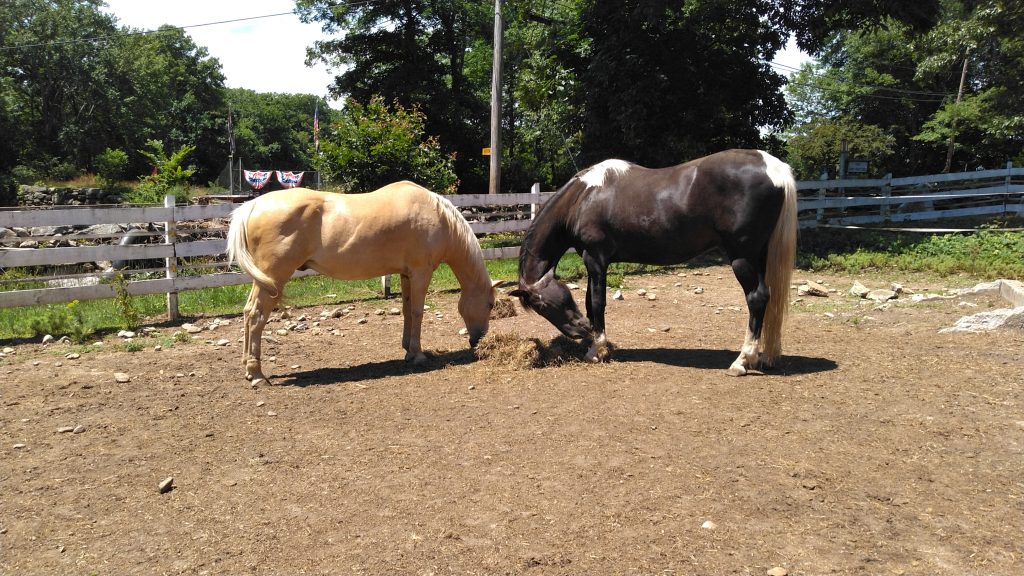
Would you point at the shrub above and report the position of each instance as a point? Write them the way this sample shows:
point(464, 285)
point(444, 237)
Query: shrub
point(111, 167)
point(168, 177)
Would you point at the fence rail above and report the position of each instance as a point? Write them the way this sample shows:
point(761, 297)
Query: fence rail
point(186, 230)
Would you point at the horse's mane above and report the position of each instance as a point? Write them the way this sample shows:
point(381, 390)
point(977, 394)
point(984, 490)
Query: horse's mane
point(463, 236)
point(551, 215)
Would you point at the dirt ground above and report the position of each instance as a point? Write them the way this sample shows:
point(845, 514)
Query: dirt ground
point(878, 446)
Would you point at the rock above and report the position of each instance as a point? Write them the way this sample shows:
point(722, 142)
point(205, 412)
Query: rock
point(897, 288)
point(8, 350)
point(641, 292)
point(167, 485)
point(859, 290)
point(394, 312)
point(988, 320)
point(380, 312)
point(122, 378)
point(157, 348)
point(778, 571)
point(811, 288)
point(73, 356)
point(617, 295)
point(698, 290)
point(191, 328)
point(281, 332)
point(126, 334)
point(78, 429)
point(881, 295)
point(362, 321)
point(222, 342)
point(652, 296)
point(65, 429)
point(336, 313)
point(463, 332)
point(18, 446)
point(48, 339)
point(572, 286)
point(709, 525)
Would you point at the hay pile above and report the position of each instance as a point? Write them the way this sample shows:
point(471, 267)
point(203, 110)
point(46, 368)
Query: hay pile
point(513, 351)
point(503, 308)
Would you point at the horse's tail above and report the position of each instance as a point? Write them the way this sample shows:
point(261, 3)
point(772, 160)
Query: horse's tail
point(238, 246)
point(781, 259)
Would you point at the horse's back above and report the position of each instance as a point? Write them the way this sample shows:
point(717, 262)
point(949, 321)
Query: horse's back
point(351, 236)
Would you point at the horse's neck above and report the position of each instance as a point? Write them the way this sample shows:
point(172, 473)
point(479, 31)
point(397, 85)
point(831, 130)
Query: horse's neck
point(542, 249)
point(470, 274)
point(467, 263)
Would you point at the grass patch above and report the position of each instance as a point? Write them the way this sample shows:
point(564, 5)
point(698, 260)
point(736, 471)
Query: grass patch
point(988, 253)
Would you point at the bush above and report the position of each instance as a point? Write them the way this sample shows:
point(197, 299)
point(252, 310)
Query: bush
point(373, 145)
point(168, 177)
point(65, 320)
point(111, 167)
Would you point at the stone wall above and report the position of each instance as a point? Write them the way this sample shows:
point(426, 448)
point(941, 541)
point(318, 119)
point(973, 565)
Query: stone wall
point(43, 196)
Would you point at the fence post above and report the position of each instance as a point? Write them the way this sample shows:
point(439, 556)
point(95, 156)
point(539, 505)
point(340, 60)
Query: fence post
point(535, 189)
point(171, 267)
point(819, 214)
point(385, 284)
point(1006, 196)
point(886, 196)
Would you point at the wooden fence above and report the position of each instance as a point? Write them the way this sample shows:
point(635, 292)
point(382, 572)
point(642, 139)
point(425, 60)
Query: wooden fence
point(193, 236)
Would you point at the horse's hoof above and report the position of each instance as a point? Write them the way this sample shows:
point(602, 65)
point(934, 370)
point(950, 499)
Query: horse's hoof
point(600, 351)
point(736, 370)
point(416, 359)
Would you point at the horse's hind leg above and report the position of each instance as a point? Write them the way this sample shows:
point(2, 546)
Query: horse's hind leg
point(751, 278)
point(255, 315)
point(414, 292)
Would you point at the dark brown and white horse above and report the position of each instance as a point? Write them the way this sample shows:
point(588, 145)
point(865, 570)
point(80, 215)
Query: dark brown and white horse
point(742, 201)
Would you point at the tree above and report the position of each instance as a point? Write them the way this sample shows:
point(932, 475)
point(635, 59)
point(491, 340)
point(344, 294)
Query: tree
point(662, 81)
point(50, 67)
point(902, 84)
point(275, 130)
point(411, 52)
point(372, 145)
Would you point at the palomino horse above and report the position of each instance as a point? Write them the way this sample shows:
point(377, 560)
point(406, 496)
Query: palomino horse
point(401, 228)
point(743, 201)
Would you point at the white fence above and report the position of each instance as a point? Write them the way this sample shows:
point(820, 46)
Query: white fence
point(196, 232)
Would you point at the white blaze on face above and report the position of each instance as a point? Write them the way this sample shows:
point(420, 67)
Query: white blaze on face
point(776, 169)
point(597, 173)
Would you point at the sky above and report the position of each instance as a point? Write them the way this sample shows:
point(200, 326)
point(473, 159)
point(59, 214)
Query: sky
point(267, 54)
point(262, 54)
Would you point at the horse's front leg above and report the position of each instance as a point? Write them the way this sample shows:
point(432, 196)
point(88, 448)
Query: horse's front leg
point(414, 292)
point(597, 286)
point(255, 315)
point(752, 281)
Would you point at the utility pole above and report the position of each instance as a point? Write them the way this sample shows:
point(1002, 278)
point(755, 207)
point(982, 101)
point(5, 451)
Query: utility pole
point(495, 179)
point(952, 125)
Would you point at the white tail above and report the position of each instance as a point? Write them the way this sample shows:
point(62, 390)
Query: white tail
point(781, 259)
point(238, 246)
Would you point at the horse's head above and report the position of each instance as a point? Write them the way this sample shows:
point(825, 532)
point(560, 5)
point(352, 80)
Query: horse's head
point(475, 308)
point(552, 300)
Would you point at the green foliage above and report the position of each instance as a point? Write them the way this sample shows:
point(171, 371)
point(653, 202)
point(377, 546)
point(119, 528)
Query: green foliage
point(663, 81)
point(275, 130)
point(373, 145)
point(989, 253)
point(168, 177)
point(61, 320)
point(813, 148)
point(125, 304)
point(111, 167)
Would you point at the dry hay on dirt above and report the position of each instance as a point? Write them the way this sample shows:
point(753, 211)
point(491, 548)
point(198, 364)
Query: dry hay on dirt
point(511, 350)
point(503, 308)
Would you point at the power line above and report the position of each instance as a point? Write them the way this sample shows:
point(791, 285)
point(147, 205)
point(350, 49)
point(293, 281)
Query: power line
point(129, 32)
